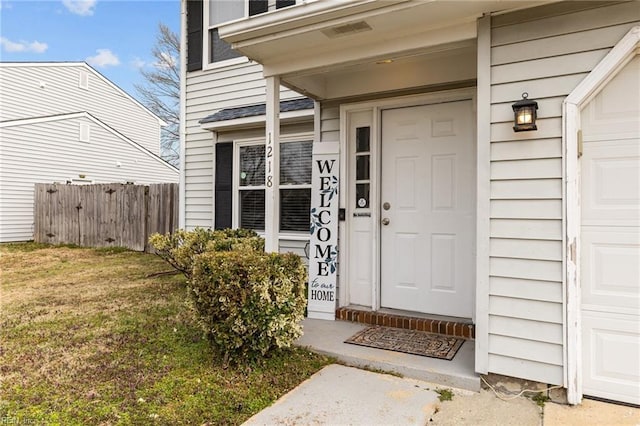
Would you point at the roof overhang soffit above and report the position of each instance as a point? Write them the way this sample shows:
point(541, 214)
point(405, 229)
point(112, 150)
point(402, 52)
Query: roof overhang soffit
point(316, 38)
point(315, 41)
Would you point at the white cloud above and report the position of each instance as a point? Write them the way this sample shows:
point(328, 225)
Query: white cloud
point(22, 46)
point(80, 7)
point(138, 63)
point(104, 58)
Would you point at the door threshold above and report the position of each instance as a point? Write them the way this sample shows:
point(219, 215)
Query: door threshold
point(449, 326)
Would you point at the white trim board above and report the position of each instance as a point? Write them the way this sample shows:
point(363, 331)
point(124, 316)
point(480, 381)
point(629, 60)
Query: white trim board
point(483, 196)
point(43, 119)
point(75, 115)
point(607, 68)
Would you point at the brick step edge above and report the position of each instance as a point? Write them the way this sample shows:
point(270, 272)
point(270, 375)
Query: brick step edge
point(449, 328)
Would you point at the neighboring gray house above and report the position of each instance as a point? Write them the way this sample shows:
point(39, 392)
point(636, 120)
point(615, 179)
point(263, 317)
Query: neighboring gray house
point(532, 236)
point(65, 122)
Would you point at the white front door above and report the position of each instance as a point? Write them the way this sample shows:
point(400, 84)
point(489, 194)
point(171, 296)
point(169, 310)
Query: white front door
point(428, 209)
point(610, 239)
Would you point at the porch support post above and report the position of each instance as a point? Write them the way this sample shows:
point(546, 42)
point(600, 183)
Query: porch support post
point(483, 196)
point(272, 166)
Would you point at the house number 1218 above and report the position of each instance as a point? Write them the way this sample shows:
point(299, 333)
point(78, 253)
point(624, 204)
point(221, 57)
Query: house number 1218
point(269, 182)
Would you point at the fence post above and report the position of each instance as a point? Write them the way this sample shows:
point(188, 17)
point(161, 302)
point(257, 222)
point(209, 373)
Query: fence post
point(147, 218)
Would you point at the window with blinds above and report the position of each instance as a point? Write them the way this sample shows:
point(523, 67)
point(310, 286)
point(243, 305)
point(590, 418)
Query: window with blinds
point(295, 186)
point(251, 196)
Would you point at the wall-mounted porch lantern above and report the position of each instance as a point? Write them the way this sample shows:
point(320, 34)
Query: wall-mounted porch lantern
point(524, 112)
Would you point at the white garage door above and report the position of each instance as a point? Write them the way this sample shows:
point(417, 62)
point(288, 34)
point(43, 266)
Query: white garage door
point(610, 239)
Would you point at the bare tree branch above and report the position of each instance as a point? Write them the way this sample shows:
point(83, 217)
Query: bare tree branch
point(161, 90)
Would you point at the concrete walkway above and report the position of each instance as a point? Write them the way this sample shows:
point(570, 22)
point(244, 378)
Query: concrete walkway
point(347, 395)
point(339, 395)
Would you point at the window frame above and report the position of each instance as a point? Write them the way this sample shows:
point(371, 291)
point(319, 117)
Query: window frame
point(207, 64)
point(368, 181)
point(83, 80)
point(206, 38)
point(84, 132)
point(236, 188)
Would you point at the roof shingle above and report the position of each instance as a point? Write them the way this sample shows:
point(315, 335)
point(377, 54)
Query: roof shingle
point(258, 109)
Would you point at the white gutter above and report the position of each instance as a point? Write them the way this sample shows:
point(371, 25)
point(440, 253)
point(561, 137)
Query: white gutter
point(183, 114)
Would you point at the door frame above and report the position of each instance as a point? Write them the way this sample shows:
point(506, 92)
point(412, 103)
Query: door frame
point(623, 52)
point(375, 107)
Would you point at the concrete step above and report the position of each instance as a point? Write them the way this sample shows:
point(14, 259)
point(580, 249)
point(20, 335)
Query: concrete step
point(327, 337)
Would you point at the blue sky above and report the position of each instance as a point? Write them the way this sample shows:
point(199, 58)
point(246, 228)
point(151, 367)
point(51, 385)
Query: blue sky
point(113, 36)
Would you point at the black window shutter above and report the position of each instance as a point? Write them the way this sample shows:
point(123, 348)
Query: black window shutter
point(194, 35)
point(223, 185)
point(258, 6)
point(284, 3)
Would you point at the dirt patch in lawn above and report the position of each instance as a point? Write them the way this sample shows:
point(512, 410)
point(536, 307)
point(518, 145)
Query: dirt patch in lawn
point(92, 337)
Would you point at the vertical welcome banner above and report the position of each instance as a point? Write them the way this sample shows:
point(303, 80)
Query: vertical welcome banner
point(323, 245)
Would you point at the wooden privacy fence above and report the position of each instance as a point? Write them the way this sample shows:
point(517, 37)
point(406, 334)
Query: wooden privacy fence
point(104, 215)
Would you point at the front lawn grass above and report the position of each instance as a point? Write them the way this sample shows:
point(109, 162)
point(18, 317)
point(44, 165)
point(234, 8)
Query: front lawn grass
point(96, 336)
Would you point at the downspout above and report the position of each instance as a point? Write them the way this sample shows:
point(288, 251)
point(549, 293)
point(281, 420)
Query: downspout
point(183, 113)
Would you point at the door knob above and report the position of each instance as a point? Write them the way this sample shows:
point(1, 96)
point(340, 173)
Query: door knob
point(385, 221)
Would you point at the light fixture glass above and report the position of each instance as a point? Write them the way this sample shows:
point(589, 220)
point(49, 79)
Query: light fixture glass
point(525, 114)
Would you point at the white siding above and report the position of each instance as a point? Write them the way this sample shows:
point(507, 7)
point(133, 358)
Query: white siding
point(546, 52)
point(208, 92)
point(330, 124)
point(294, 246)
point(51, 152)
point(51, 89)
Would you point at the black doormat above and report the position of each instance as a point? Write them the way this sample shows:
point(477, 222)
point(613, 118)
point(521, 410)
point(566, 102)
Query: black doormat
point(408, 341)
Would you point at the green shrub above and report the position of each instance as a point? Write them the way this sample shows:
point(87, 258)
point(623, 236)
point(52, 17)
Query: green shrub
point(180, 248)
point(249, 302)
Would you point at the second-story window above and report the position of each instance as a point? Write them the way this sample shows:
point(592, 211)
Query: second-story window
point(223, 11)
